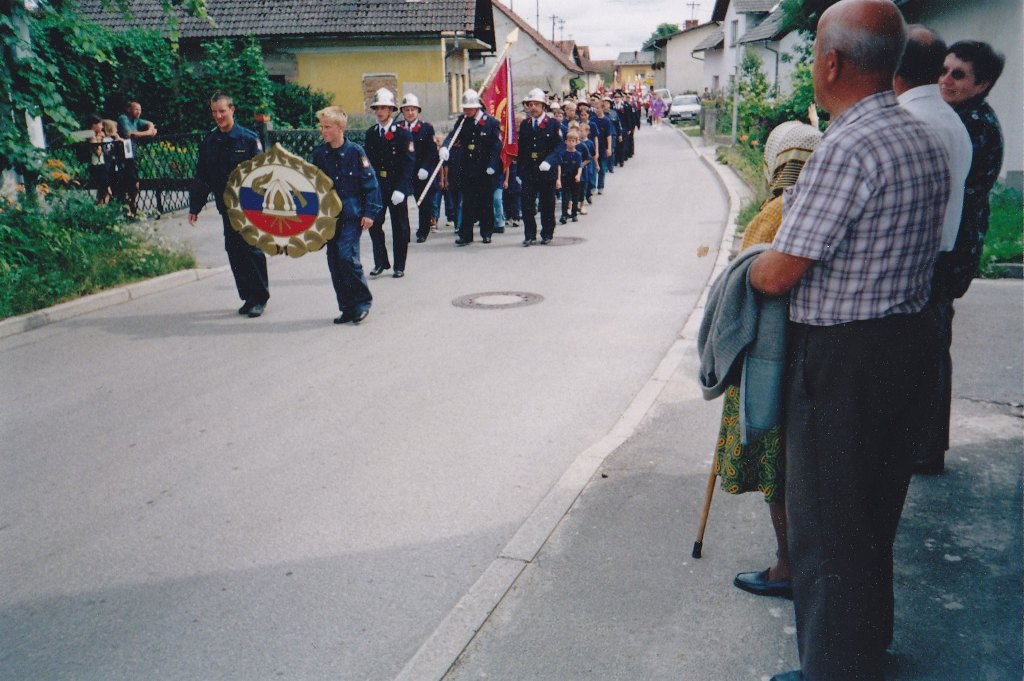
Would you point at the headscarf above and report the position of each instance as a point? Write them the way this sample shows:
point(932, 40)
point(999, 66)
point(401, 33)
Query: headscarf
point(788, 147)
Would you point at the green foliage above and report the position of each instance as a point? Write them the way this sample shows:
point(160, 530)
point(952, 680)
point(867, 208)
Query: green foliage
point(662, 31)
point(746, 159)
point(295, 106)
point(1003, 242)
point(235, 68)
point(64, 245)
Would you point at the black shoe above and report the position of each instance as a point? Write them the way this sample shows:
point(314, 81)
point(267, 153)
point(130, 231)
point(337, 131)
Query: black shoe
point(545, 242)
point(486, 239)
point(574, 219)
point(600, 191)
point(528, 242)
point(360, 316)
point(499, 230)
point(345, 318)
point(757, 583)
point(590, 199)
point(255, 311)
point(420, 239)
point(379, 270)
point(562, 220)
point(245, 308)
point(398, 274)
point(462, 242)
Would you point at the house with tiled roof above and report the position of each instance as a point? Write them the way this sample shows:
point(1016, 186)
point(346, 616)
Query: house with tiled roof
point(635, 68)
point(536, 61)
point(594, 72)
point(348, 48)
point(682, 72)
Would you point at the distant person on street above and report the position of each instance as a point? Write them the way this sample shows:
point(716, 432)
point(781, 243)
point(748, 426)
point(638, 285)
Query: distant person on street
point(355, 182)
point(392, 155)
point(422, 134)
point(859, 237)
point(474, 166)
point(540, 146)
point(219, 153)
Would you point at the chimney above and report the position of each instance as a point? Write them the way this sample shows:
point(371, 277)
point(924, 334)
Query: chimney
point(690, 23)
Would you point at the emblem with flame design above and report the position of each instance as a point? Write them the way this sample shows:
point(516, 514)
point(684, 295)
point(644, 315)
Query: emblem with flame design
point(281, 204)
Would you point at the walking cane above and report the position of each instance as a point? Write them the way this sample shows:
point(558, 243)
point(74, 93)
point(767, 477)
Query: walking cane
point(509, 39)
point(708, 493)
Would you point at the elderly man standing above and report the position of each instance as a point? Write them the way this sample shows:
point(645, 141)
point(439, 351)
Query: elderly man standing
point(856, 249)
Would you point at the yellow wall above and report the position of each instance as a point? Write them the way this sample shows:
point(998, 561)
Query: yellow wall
point(627, 74)
point(340, 70)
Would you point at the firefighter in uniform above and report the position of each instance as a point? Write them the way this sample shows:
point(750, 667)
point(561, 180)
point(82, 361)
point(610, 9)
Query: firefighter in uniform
point(540, 146)
point(474, 161)
point(223, 149)
point(355, 182)
point(392, 154)
point(426, 160)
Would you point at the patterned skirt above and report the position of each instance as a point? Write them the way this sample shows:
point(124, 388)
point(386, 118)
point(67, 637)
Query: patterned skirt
point(755, 467)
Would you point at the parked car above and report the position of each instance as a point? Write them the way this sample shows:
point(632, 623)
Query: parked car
point(684, 108)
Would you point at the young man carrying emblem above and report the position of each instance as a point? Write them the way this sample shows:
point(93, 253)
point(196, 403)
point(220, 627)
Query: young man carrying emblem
point(356, 185)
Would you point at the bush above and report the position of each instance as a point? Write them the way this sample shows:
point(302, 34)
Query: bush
point(1003, 242)
point(61, 245)
point(295, 106)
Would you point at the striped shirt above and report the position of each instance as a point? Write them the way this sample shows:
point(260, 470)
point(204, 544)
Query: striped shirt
point(868, 209)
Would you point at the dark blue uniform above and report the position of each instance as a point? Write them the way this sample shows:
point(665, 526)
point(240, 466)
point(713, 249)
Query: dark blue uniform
point(356, 185)
point(219, 153)
point(570, 162)
point(540, 141)
point(392, 155)
point(477, 149)
point(426, 159)
point(605, 131)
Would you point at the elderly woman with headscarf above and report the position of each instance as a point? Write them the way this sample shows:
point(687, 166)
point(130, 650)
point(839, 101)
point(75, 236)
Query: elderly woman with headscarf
point(758, 465)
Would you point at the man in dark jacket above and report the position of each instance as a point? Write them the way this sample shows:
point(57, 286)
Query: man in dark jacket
point(392, 154)
point(474, 159)
point(223, 149)
point(540, 147)
point(426, 160)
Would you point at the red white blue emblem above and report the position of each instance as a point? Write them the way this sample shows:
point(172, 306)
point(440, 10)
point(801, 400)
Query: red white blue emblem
point(282, 204)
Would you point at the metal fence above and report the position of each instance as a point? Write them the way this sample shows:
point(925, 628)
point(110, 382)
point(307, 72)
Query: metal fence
point(167, 164)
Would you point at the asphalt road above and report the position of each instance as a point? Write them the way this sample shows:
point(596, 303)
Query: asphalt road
point(189, 494)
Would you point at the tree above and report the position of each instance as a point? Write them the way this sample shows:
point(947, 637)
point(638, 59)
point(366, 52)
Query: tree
point(32, 69)
point(803, 15)
point(662, 31)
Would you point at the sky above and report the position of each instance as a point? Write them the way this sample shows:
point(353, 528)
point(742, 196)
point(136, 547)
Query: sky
point(609, 27)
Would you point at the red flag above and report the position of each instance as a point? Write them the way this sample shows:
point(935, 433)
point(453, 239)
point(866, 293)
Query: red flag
point(499, 102)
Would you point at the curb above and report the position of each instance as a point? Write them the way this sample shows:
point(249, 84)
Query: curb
point(442, 649)
point(98, 301)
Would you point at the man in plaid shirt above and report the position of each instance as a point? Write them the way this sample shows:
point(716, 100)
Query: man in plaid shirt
point(855, 251)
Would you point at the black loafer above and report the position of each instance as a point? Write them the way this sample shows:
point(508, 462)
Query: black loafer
point(420, 239)
point(359, 316)
point(379, 270)
point(562, 220)
point(245, 308)
point(255, 311)
point(527, 242)
point(757, 583)
point(345, 318)
point(398, 274)
point(461, 242)
point(486, 239)
point(545, 242)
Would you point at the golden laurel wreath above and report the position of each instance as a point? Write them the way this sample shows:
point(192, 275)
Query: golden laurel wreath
point(281, 204)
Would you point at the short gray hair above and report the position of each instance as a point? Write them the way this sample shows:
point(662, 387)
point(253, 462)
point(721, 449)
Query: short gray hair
point(869, 51)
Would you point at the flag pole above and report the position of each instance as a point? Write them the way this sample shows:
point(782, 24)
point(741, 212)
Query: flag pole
point(512, 37)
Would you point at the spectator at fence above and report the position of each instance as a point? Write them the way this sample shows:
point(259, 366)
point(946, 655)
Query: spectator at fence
point(131, 124)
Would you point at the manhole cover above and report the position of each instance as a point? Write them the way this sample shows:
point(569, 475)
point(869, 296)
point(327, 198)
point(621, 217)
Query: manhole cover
point(497, 300)
point(566, 241)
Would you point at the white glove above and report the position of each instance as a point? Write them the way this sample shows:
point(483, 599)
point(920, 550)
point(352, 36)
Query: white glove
point(423, 174)
point(397, 197)
point(544, 166)
point(443, 153)
point(490, 171)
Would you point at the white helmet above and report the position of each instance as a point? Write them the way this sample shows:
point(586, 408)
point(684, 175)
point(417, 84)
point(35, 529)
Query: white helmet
point(535, 95)
point(470, 99)
point(383, 97)
point(411, 100)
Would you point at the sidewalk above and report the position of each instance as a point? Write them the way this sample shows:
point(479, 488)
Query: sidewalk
point(614, 593)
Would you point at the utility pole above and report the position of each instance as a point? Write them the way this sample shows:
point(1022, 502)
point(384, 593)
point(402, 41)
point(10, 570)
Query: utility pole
point(554, 18)
point(561, 29)
point(693, 8)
